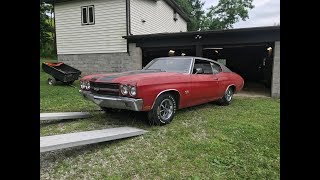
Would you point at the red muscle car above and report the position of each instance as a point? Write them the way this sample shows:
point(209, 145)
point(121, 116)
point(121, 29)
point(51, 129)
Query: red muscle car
point(163, 86)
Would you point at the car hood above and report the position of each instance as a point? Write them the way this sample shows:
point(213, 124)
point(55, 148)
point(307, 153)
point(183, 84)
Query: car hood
point(129, 76)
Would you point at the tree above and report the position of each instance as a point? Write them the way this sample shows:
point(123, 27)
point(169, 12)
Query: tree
point(194, 9)
point(45, 28)
point(226, 13)
point(47, 46)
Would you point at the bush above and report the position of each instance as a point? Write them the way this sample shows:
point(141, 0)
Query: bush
point(48, 51)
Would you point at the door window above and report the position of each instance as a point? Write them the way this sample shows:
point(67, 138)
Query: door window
point(205, 65)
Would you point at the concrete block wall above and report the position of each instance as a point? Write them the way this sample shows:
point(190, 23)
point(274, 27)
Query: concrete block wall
point(275, 86)
point(104, 63)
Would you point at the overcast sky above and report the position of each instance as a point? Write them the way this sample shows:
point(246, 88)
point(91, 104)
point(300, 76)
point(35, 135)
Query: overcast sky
point(265, 13)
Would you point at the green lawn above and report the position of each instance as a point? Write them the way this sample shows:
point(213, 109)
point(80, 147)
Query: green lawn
point(240, 141)
point(61, 97)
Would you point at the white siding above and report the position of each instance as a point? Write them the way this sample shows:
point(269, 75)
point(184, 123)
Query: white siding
point(105, 36)
point(158, 16)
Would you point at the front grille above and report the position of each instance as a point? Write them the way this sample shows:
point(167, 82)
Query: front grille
point(104, 88)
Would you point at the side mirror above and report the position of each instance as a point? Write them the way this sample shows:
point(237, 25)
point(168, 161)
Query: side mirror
point(199, 71)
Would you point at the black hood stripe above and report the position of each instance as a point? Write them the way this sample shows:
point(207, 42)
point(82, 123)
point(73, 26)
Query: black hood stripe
point(128, 73)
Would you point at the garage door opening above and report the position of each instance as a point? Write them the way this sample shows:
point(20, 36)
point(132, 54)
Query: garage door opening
point(253, 62)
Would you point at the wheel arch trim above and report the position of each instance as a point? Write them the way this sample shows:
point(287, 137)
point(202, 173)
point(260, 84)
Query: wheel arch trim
point(235, 88)
point(166, 90)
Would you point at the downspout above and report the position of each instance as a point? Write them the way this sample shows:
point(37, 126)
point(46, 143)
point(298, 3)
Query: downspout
point(55, 33)
point(128, 17)
point(128, 22)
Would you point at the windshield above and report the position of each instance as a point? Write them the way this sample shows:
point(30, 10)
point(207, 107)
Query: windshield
point(181, 65)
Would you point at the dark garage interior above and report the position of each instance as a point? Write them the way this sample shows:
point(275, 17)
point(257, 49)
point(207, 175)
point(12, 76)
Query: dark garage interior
point(253, 62)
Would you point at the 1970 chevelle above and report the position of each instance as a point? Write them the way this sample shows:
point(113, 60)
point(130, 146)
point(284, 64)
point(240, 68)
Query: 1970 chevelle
point(163, 86)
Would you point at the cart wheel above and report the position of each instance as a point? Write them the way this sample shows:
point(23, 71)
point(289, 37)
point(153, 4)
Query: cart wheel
point(52, 81)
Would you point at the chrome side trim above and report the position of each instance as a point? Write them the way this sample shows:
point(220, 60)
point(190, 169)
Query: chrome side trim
point(164, 92)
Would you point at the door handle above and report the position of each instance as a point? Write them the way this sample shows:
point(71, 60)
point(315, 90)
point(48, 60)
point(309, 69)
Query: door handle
point(216, 78)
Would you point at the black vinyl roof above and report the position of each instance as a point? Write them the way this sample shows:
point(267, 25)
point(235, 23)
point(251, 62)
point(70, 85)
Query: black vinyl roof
point(223, 67)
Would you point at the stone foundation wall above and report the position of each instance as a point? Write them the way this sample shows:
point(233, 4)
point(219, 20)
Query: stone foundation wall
point(104, 63)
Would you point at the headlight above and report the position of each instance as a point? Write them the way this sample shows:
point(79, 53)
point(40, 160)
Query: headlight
point(124, 89)
point(87, 85)
point(82, 86)
point(133, 91)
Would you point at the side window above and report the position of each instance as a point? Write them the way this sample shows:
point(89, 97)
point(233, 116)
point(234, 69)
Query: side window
point(87, 15)
point(216, 68)
point(205, 65)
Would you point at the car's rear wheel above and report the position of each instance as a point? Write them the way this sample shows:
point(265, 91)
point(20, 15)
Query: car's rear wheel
point(227, 98)
point(163, 110)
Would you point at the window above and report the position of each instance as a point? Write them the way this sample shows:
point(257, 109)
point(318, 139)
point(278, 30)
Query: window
point(87, 15)
point(216, 68)
point(205, 65)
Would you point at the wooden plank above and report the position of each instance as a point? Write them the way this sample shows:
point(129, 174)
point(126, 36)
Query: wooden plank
point(61, 141)
point(64, 115)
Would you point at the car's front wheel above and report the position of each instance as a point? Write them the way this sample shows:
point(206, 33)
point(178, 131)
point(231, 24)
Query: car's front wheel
point(228, 95)
point(163, 110)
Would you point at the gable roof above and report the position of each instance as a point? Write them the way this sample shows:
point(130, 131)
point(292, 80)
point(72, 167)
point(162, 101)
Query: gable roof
point(178, 9)
point(171, 3)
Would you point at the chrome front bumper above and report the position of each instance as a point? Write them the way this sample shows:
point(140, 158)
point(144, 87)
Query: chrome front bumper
point(114, 102)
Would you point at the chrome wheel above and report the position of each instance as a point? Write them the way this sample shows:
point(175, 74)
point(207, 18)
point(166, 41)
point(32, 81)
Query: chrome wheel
point(165, 110)
point(229, 94)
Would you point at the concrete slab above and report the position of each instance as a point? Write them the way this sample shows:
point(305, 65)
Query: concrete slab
point(64, 115)
point(61, 141)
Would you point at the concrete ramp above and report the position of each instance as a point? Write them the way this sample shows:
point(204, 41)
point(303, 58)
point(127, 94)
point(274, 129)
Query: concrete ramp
point(61, 141)
point(64, 115)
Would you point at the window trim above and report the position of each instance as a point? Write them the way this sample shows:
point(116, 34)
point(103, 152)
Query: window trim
point(204, 61)
point(84, 7)
point(88, 15)
point(216, 65)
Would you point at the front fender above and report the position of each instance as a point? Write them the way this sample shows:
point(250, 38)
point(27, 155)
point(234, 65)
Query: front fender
point(149, 94)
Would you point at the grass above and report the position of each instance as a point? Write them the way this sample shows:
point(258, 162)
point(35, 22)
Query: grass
point(239, 141)
point(61, 97)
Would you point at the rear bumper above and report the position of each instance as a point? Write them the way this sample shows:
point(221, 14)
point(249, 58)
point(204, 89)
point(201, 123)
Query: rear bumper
point(113, 101)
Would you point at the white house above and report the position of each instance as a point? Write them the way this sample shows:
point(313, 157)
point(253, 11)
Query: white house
point(89, 33)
